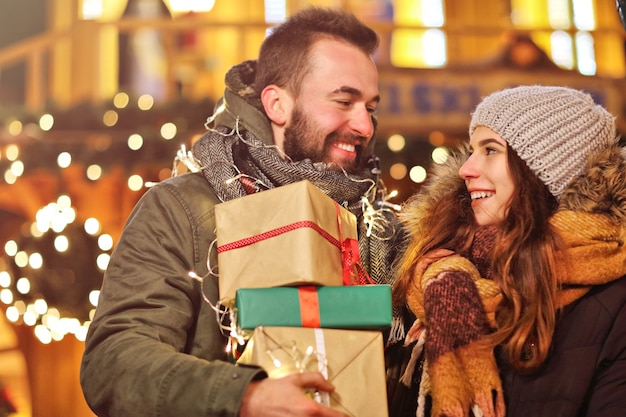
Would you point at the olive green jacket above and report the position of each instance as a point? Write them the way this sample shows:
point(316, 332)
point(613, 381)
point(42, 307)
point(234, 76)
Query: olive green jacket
point(154, 347)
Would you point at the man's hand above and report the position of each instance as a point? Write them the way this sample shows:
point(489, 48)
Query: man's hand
point(285, 397)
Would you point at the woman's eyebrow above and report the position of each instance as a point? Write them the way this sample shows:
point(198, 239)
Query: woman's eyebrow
point(487, 141)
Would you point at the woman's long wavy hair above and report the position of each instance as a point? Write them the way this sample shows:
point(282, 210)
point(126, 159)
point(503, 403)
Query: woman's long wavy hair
point(524, 261)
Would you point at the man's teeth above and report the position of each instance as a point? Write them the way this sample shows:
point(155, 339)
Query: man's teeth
point(345, 146)
point(481, 194)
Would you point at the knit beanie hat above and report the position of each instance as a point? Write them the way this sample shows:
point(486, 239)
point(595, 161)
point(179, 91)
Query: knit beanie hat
point(553, 129)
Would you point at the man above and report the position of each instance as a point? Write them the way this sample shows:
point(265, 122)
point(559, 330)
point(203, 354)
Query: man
point(304, 110)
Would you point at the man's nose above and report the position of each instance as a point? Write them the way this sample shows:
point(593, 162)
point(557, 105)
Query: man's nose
point(361, 123)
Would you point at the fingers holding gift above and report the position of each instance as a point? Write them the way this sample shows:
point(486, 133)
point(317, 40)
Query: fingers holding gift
point(287, 396)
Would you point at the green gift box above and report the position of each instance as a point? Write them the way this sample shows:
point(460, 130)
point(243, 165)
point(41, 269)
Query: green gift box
point(341, 307)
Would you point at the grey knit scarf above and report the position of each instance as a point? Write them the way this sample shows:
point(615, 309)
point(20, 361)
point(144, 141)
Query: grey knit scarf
point(237, 157)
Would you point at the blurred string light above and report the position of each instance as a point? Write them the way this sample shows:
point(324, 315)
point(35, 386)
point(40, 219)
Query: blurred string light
point(436, 138)
point(50, 279)
point(145, 102)
point(135, 141)
point(64, 160)
point(13, 167)
point(110, 118)
point(16, 167)
point(14, 127)
point(135, 182)
point(396, 143)
point(399, 170)
point(121, 100)
point(94, 172)
point(46, 122)
point(168, 131)
point(418, 174)
point(12, 152)
point(51, 274)
point(440, 155)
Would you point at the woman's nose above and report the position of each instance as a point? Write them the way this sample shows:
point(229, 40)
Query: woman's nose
point(468, 169)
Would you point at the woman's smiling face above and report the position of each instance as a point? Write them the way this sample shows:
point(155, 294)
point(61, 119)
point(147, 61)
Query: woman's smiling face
point(488, 177)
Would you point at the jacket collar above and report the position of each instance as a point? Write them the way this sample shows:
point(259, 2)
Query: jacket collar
point(240, 107)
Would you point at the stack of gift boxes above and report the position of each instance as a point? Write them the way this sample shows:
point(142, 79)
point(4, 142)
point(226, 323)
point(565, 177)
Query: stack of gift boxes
point(289, 271)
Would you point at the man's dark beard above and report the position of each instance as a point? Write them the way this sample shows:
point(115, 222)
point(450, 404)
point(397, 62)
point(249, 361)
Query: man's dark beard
point(298, 145)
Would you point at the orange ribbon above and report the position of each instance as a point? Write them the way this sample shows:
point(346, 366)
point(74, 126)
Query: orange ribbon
point(309, 306)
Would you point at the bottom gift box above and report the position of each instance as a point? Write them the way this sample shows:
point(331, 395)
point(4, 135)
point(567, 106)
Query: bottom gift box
point(352, 360)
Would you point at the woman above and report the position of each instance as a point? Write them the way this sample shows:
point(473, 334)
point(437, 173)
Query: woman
point(515, 264)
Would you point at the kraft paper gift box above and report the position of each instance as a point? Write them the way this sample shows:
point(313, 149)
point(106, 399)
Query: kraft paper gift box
point(352, 360)
point(289, 235)
point(345, 307)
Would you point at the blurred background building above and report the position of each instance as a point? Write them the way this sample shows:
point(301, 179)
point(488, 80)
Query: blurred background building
point(98, 97)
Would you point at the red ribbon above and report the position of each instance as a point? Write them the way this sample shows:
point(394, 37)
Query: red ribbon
point(353, 271)
point(309, 306)
point(349, 247)
point(276, 232)
point(351, 258)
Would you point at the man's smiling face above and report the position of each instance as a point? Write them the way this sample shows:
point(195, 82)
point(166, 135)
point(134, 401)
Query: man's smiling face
point(331, 120)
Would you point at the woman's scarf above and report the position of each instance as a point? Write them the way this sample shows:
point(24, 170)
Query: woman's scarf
point(453, 295)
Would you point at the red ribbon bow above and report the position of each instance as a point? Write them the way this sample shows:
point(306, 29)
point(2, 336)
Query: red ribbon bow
point(353, 271)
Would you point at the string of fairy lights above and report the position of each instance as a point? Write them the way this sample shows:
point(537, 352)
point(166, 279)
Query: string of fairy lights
point(23, 288)
point(52, 269)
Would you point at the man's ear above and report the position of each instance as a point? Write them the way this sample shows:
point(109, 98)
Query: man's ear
point(277, 104)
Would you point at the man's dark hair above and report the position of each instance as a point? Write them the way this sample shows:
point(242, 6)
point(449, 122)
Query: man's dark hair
point(283, 59)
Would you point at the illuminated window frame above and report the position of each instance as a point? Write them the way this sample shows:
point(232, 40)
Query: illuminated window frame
point(419, 42)
point(570, 44)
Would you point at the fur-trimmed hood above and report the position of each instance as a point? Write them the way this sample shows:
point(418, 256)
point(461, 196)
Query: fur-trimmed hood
point(601, 189)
